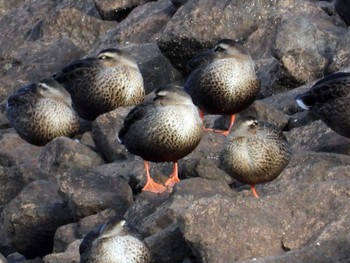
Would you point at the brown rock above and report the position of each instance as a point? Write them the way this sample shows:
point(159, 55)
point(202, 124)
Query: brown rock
point(70, 255)
point(15, 150)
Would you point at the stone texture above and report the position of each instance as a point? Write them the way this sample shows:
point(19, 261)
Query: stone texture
point(70, 255)
point(69, 233)
point(87, 192)
point(63, 153)
point(117, 10)
point(14, 179)
point(30, 220)
point(15, 150)
point(105, 134)
point(302, 216)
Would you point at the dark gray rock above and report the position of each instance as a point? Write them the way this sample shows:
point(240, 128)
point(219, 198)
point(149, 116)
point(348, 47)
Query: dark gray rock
point(158, 218)
point(117, 10)
point(343, 9)
point(105, 134)
point(14, 179)
point(64, 153)
point(35, 26)
point(192, 29)
point(141, 24)
point(30, 220)
point(67, 234)
point(318, 137)
point(87, 192)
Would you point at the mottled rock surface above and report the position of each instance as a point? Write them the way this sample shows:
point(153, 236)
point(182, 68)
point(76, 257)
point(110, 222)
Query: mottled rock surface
point(52, 196)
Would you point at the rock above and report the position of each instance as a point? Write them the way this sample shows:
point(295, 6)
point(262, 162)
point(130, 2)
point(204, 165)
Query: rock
point(105, 134)
point(158, 218)
point(67, 234)
point(141, 24)
point(340, 59)
point(16, 258)
point(15, 150)
point(343, 9)
point(191, 30)
point(64, 153)
point(245, 229)
point(318, 137)
point(71, 255)
point(116, 10)
point(304, 48)
point(30, 220)
point(14, 179)
point(87, 192)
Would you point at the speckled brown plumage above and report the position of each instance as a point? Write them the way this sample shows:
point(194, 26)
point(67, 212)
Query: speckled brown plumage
point(329, 100)
point(255, 152)
point(41, 112)
point(98, 85)
point(226, 82)
point(164, 128)
point(115, 244)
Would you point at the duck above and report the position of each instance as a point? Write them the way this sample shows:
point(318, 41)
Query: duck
point(115, 242)
point(329, 100)
point(222, 81)
point(255, 152)
point(164, 128)
point(103, 83)
point(40, 112)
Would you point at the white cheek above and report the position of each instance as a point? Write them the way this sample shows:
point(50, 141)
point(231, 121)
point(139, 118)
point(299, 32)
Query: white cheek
point(302, 104)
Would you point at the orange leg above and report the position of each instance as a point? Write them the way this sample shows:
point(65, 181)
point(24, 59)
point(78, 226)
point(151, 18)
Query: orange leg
point(150, 185)
point(174, 178)
point(252, 187)
point(225, 133)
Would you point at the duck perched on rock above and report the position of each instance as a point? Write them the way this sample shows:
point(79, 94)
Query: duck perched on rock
point(256, 152)
point(98, 85)
point(224, 81)
point(42, 111)
point(329, 100)
point(114, 244)
point(164, 128)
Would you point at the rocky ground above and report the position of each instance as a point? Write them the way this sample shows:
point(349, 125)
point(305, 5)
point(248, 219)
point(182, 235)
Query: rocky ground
point(51, 196)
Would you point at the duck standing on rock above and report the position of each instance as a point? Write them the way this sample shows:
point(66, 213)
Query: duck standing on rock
point(329, 100)
point(98, 85)
point(164, 128)
point(114, 244)
point(256, 152)
point(224, 82)
point(42, 111)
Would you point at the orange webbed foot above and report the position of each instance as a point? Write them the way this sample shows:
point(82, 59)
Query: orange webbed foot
point(153, 187)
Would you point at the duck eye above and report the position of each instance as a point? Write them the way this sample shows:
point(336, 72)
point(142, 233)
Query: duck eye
point(219, 49)
point(103, 57)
